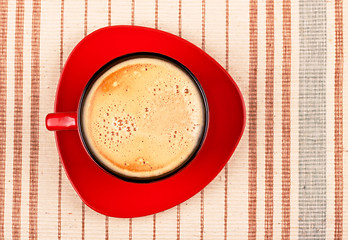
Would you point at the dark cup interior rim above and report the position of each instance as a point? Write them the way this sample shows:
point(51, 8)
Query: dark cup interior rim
point(105, 68)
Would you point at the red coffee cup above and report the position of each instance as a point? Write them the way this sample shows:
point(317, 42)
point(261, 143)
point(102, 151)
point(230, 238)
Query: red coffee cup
point(73, 120)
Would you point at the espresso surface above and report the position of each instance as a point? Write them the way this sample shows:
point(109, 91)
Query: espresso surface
point(144, 117)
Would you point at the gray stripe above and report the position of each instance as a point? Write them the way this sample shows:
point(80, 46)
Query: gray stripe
point(312, 120)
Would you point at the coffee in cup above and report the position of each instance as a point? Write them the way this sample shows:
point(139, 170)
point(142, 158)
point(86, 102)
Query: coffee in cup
point(143, 117)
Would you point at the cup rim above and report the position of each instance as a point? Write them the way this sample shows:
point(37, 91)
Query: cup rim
point(99, 73)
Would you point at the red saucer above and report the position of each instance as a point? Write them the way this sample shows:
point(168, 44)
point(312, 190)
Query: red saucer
point(114, 197)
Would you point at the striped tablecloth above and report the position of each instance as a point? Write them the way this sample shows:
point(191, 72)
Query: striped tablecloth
point(289, 175)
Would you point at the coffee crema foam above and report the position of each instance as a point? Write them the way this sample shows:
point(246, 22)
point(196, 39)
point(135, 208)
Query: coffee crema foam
point(144, 117)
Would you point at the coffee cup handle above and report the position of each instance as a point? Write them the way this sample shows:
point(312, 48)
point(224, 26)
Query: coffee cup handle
point(61, 121)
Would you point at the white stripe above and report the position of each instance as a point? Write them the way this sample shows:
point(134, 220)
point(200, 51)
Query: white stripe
point(71, 204)
point(294, 106)
point(97, 17)
point(120, 15)
point(237, 221)
point(261, 79)
point(215, 42)
point(121, 12)
point(9, 119)
point(48, 157)
point(118, 228)
point(166, 224)
point(191, 31)
point(26, 119)
point(190, 218)
point(345, 122)
point(277, 107)
point(192, 21)
point(168, 16)
point(94, 224)
point(330, 121)
point(144, 14)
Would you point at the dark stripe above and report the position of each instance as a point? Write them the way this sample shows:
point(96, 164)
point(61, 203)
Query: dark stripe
point(109, 12)
point(130, 227)
point(286, 119)
point(225, 202)
point(60, 201)
point(83, 210)
point(83, 213)
point(178, 207)
point(154, 227)
point(61, 34)
point(269, 115)
point(180, 18)
point(3, 103)
point(106, 228)
point(338, 119)
point(312, 120)
point(226, 167)
point(133, 12)
point(178, 222)
point(154, 216)
point(202, 215)
point(227, 35)
point(131, 220)
point(34, 118)
point(202, 192)
point(18, 122)
point(156, 14)
point(60, 164)
point(252, 114)
point(106, 217)
point(85, 18)
point(203, 25)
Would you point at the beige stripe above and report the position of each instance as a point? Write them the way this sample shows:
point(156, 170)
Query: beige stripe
point(18, 122)
point(252, 114)
point(226, 167)
point(60, 164)
point(3, 103)
point(286, 119)
point(34, 119)
point(269, 131)
point(202, 192)
point(338, 119)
